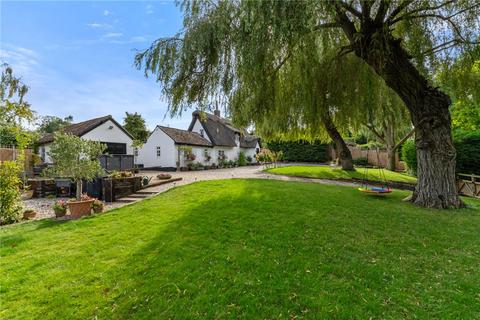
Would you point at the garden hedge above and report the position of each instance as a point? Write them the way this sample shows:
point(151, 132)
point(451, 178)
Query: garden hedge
point(467, 145)
point(300, 150)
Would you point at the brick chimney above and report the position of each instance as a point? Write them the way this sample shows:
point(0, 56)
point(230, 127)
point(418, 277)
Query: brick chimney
point(216, 112)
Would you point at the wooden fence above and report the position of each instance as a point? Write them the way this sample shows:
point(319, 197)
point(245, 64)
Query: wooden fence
point(469, 185)
point(371, 155)
point(11, 153)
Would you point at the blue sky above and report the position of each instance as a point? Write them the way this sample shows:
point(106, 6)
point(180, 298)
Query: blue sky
point(77, 57)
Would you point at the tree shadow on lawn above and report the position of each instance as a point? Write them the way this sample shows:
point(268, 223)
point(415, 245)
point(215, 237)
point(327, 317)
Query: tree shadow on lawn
point(259, 255)
point(264, 249)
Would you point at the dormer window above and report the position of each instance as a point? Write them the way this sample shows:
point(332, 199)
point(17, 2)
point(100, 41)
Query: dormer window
point(202, 132)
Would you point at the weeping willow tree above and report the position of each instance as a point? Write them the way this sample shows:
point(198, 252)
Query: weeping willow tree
point(226, 46)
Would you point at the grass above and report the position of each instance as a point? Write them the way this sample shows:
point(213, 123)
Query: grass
point(250, 249)
point(324, 172)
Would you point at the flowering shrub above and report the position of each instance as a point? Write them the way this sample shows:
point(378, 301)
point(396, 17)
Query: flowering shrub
point(98, 206)
point(10, 205)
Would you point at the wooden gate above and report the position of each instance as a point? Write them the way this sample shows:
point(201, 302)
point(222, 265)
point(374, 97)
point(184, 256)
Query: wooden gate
point(469, 185)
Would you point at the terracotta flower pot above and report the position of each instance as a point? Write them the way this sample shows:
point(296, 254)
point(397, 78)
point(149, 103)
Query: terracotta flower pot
point(80, 208)
point(60, 213)
point(29, 214)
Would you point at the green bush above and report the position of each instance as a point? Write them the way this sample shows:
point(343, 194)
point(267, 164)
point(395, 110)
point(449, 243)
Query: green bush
point(10, 205)
point(409, 155)
point(242, 160)
point(468, 151)
point(467, 145)
point(300, 150)
point(362, 161)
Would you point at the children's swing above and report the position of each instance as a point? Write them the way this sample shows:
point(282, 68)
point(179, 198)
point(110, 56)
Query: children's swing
point(383, 189)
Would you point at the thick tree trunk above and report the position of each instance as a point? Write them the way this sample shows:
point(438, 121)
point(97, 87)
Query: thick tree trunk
point(428, 106)
point(79, 190)
point(391, 158)
point(341, 148)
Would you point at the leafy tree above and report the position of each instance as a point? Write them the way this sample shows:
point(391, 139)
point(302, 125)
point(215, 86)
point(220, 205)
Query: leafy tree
point(135, 124)
point(75, 158)
point(237, 50)
point(14, 111)
point(462, 81)
point(389, 123)
point(51, 124)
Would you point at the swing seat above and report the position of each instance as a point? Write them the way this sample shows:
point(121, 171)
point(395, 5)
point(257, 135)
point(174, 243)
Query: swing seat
point(375, 190)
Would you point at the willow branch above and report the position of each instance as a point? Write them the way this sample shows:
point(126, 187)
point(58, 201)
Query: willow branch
point(375, 132)
point(402, 141)
point(402, 6)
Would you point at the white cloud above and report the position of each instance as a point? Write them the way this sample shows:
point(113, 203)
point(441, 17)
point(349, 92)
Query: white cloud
point(149, 9)
point(96, 25)
point(22, 60)
point(135, 39)
point(113, 35)
point(106, 12)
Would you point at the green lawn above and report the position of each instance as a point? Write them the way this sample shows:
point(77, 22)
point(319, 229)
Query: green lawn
point(250, 249)
point(324, 172)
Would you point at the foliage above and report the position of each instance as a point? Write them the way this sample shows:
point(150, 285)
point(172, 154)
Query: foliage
point(14, 112)
point(51, 124)
point(409, 156)
point(324, 172)
point(60, 207)
point(461, 80)
point(362, 161)
point(300, 150)
point(249, 159)
point(146, 180)
point(10, 205)
point(115, 174)
point(282, 242)
point(282, 64)
point(242, 160)
point(467, 145)
point(135, 125)
point(75, 158)
point(98, 206)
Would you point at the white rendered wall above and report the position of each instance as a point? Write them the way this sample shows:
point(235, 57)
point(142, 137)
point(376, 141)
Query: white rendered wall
point(199, 153)
point(147, 154)
point(103, 133)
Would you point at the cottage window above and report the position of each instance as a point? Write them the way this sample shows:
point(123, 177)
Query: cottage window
point(159, 152)
point(202, 132)
point(135, 152)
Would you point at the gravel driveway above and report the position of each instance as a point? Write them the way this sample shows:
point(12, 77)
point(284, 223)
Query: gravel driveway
point(43, 206)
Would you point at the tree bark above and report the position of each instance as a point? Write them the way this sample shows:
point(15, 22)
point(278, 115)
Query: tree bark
point(391, 159)
point(341, 148)
point(79, 190)
point(428, 106)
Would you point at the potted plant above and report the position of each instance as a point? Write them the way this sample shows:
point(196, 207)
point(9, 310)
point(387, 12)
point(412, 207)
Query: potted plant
point(146, 180)
point(29, 214)
point(98, 206)
point(77, 159)
point(60, 208)
point(164, 176)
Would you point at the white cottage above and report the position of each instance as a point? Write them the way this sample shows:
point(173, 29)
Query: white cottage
point(104, 129)
point(210, 138)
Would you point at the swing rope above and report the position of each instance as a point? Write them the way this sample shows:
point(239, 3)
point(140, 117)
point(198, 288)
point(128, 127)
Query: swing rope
point(371, 189)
